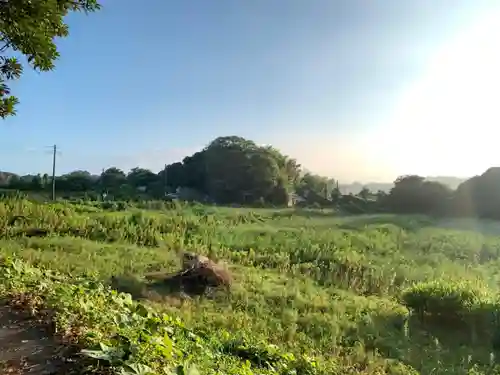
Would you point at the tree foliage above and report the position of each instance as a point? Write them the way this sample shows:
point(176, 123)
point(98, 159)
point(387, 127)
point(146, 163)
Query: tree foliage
point(234, 170)
point(427, 197)
point(240, 171)
point(29, 27)
point(315, 188)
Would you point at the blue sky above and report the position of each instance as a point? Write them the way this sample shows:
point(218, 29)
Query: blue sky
point(331, 83)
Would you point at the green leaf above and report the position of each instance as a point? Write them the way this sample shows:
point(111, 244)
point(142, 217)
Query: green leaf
point(142, 310)
point(96, 354)
point(137, 369)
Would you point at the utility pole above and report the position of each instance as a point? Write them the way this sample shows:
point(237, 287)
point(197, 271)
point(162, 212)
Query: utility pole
point(54, 173)
point(104, 192)
point(165, 181)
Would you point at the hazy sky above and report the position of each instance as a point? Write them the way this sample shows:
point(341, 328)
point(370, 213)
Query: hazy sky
point(357, 90)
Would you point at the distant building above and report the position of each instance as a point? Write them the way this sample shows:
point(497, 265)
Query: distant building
point(294, 199)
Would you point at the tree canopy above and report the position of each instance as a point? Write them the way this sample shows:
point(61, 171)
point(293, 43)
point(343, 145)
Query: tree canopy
point(29, 27)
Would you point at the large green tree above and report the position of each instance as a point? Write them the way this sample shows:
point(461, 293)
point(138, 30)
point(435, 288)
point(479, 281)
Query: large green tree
point(77, 181)
point(141, 177)
point(29, 27)
point(413, 194)
point(479, 196)
point(112, 179)
point(239, 171)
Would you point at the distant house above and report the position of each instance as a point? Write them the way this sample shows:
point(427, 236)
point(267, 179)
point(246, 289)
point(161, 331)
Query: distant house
point(294, 199)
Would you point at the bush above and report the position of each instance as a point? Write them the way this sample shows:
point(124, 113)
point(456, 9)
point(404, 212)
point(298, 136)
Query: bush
point(451, 300)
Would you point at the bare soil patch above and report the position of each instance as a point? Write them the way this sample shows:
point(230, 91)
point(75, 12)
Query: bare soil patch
point(27, 347)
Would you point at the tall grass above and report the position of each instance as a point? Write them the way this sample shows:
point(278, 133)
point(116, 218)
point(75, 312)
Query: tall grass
point(378, 294)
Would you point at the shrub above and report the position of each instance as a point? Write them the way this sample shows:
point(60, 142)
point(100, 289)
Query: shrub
point(462, 301)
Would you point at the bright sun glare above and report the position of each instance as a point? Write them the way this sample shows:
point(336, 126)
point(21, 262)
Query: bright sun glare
point(448, 122)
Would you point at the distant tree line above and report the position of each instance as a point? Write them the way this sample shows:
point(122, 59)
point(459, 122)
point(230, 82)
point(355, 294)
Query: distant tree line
point(478, 196)
point(229, 170)
point(234, 170)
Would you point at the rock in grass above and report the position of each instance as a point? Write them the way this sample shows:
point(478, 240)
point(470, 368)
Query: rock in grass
point(198, 275)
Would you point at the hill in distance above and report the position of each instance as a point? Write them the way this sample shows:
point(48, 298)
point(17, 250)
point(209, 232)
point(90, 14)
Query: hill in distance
point(356, 187)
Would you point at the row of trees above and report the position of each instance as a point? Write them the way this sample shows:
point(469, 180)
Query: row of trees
point(478, 196)
point(229, 170)
point(236, 170)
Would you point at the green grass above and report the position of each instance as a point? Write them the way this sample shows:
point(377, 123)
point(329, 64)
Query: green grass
point(379, 294)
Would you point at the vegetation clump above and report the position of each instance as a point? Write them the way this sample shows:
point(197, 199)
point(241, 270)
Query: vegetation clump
point(447, 299)
point(458, 304)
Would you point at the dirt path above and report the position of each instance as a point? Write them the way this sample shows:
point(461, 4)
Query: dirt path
point(26, 348)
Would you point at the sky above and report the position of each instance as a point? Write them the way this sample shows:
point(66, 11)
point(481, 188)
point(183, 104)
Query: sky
point(357, 90)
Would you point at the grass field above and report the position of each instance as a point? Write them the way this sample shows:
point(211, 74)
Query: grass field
point(314, 293)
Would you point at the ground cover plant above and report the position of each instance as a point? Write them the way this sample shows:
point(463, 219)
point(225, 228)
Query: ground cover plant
point(313, 293)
